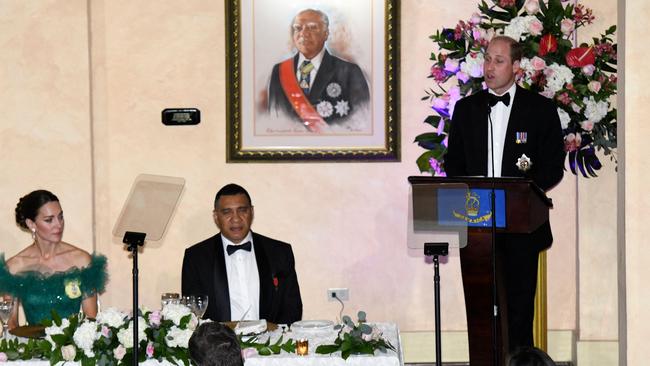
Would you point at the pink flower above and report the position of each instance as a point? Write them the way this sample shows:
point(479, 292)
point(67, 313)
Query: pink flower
point(567, 26)
point(587, 125)
point(594, 86)
point(538, 63)
point(3, 357)
point(506, 3)
point(462, 76)
point(440, 103)
point(588, 70)
point(438, 73)
point(572, 142)
point(106, 331)
point(451, 65)
point(564, 98)
point(248, 352)
point(535, 27)
point(532, 7)
point(475, 19)
point(155, 318)
point(119, 352)
point(150, 350)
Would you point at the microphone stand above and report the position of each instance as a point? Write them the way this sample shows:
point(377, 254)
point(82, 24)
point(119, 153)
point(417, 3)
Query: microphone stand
point(495, 306)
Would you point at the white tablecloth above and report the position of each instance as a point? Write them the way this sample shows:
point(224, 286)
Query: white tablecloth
point(390, 358)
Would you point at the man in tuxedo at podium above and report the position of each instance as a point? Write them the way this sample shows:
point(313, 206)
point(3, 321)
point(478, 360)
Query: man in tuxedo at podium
point(245, 275)
point(528, 142)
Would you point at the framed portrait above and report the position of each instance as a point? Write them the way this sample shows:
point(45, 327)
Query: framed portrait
point(312, 80)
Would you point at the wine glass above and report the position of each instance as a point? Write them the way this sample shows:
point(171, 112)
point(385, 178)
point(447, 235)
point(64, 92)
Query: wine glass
point(6, 306)
point(199, 304)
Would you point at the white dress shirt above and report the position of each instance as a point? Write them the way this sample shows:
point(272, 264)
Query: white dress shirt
point(243, 281)
point(316, 61)
point(500, 114)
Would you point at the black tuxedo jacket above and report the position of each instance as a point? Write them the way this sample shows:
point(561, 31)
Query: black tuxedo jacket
point(333, 70)
point(532, 114)
point(204, 272)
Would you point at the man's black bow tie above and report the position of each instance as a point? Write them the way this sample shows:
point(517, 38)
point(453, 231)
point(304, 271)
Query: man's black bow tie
point(233, 248)
point(493, 99)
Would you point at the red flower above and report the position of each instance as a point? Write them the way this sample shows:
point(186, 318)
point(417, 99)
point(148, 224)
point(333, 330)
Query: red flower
point(581, 56)
point(548, 44)
point(275, 282)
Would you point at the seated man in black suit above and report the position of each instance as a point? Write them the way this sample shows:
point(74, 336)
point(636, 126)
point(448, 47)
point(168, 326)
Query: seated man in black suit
point(528, 143)
point(315, 87)
point(245, 275)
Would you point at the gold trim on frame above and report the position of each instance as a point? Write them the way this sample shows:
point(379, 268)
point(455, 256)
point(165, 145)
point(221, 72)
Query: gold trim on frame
point(540, 330)
point(390, 151)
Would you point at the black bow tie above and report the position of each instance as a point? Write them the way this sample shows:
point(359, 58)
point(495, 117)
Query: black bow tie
point(493, 99)
point(233, 248)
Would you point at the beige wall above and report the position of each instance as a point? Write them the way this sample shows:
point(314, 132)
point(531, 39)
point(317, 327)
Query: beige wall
point(86, 129)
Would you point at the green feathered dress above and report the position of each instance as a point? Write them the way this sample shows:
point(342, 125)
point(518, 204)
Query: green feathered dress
point(63, 292)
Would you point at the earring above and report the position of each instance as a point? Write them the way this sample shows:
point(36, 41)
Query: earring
point(34, 234)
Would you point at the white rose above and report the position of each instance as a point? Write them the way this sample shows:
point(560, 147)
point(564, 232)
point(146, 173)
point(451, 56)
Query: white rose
point(54, 329)
point(68, 352)
point(473, 65)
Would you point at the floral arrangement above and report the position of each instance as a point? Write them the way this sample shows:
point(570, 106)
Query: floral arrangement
point(359, 338)
point(108, 339)
point(582, 79)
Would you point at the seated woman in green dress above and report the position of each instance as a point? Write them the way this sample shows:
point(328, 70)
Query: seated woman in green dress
point(50, 274)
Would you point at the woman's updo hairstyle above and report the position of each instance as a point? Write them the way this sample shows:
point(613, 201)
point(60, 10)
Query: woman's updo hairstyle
point(28, 206)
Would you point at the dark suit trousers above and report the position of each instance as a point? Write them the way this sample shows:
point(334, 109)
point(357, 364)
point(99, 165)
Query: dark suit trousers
point(519, 264)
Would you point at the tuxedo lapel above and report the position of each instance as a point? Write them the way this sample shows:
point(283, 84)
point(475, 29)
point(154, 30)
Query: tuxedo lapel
point(264, 270)
point(222, 298)
point(516, 122)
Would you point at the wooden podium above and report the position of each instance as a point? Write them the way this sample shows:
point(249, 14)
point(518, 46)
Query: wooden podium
point(526, 208)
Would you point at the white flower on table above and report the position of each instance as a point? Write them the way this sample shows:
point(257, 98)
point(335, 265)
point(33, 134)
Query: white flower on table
point(125, 336)
point(177, 337)
point(85, 335)
point(68, 352)
point(111, 317)
point(175, 312)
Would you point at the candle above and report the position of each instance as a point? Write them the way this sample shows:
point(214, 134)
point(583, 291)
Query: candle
point(302, 347)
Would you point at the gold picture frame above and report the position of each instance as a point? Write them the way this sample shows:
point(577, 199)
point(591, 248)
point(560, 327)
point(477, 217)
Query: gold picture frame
point(364, 33)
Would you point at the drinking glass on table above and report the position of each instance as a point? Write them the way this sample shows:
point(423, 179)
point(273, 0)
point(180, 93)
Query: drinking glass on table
point(6, 306)
point(170, 298)
point(199, 304)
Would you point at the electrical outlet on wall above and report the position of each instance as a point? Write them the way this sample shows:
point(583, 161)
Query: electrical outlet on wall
point(342, 294)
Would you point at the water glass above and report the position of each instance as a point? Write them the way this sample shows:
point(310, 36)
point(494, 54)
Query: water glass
point(6, 306)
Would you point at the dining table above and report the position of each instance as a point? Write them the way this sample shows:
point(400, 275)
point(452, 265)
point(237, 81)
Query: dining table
point(314, 337)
